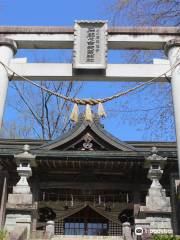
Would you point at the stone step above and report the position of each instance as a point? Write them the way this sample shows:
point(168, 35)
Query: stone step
point(78, 237)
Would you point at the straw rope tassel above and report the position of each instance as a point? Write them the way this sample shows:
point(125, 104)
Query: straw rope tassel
point(88, 113)
point(101, 111)
point(74, 114)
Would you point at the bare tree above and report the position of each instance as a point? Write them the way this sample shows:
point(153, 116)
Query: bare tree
point(35, 113)
point(40, 114)
point(150, 110)
point(145, 13)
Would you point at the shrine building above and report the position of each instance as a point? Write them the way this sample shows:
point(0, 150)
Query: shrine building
point(87, 182)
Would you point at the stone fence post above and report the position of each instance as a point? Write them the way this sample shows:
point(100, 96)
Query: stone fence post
point(49, 229)
point(126, 229)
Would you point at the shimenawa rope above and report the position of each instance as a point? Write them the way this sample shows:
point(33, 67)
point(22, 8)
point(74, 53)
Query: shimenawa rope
point(88, 102)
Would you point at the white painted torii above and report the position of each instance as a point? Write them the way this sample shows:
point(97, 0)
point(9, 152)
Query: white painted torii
point(149, 38)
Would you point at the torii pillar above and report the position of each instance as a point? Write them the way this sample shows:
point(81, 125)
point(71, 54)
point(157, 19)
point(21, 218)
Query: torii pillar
point(172, 50)
point(7, 50)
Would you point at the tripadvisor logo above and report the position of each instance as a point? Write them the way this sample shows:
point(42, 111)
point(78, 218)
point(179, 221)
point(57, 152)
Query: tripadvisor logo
point(139, 231)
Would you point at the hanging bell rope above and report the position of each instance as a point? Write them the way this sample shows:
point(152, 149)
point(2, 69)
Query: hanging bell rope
point(89, 102)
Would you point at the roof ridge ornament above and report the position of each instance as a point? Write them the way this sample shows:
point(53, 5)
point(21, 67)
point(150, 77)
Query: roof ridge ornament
point(87, 144)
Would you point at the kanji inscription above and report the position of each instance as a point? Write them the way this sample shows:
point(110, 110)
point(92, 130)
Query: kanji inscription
point(90, 46)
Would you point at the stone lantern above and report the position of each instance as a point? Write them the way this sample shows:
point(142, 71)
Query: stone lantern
point(24, 160)
point(156, 198)
point(21, 192)
point(155, 216)
point(20, 207)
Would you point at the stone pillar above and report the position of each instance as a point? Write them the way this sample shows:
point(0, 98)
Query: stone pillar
point(49, 229)
point(126, 229)
point(7, 50)
point(4, 176)
point(175, 202)
point(35, 192)
point(172, 50)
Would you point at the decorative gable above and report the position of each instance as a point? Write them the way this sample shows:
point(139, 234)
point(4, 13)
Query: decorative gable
point(88, 136)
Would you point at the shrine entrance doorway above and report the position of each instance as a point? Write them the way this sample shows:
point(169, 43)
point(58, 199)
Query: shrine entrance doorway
point(86, 222)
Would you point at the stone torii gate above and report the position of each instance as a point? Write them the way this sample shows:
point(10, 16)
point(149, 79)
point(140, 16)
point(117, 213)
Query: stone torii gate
point(94, 67)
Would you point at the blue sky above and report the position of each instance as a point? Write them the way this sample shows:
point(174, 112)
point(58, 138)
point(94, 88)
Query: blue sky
point(54, 12)
point(64, 12)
